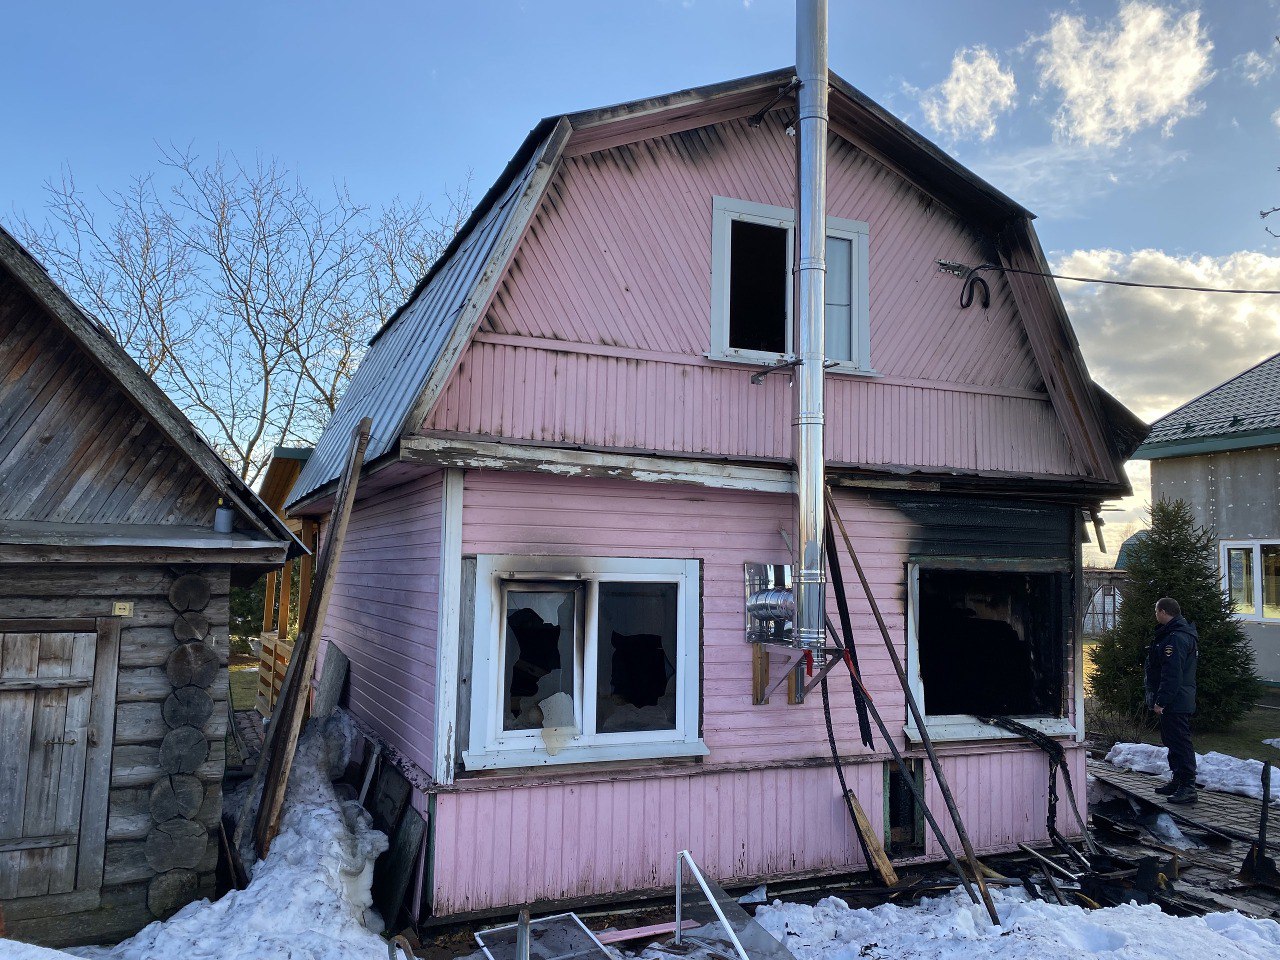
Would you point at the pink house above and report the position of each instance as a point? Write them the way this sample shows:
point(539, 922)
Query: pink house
point(542, 593)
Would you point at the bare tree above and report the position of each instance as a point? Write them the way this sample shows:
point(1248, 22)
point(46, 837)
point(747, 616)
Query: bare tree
point(247, 296)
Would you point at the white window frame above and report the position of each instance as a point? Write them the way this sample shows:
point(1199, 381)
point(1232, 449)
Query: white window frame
point(1256, 546)
point(724, 211)
point(963, 726)
point(490, 747)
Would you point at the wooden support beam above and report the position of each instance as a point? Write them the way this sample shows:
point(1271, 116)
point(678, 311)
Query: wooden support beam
point(286, 586)
point(269, 604)
point(879, 859)
point(286, 719)
point(306, 568)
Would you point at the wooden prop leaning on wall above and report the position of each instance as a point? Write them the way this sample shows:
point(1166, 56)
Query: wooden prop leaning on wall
point(286, 720)
point(977, 868)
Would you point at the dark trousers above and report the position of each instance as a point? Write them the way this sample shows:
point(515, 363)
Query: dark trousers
point(1175, 733)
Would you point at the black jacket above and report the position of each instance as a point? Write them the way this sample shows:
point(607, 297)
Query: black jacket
point(1171, 667)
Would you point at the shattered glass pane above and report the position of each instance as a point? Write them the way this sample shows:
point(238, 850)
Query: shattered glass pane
point(541, 626)
point(550, 938)
point(720, 921)
point(636, 658)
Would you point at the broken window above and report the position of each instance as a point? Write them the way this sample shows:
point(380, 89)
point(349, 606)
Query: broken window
point(541, 650)
point(990, 642)
point(903, 818)
point(595, 658)
point(751, 295)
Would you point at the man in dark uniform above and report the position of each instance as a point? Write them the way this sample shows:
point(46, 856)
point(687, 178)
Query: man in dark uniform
point(1170, 684)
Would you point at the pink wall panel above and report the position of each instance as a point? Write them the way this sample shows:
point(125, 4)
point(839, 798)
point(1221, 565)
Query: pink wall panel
point(383, 613)
point(619, 258)
point(559, 841)
point(762, 803)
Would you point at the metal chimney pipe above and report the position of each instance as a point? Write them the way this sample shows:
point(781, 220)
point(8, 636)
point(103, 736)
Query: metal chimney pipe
point(811, 284)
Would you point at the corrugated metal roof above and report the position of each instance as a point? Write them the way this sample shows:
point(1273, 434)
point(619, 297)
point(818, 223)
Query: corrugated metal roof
point(1248, 402)
point(394, 370)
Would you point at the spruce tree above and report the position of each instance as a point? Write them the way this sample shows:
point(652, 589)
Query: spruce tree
point(1180, 560)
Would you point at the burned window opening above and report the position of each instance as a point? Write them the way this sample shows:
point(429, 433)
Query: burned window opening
point(636, 657)
point(904, 820)
point(758, 287)
point(541, 644)
point(991, 642)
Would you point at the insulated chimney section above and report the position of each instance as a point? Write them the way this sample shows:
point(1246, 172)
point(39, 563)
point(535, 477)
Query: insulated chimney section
point(811, 286)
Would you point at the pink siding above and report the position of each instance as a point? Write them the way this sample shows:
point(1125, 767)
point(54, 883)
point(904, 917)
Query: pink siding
point(584, 838)
point(383, 613)
point(619, 258)
point(595, 832)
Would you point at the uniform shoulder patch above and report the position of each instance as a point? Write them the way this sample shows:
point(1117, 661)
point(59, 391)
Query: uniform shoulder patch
point(1168, 651)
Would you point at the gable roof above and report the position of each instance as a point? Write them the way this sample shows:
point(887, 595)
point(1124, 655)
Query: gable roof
point(124, 373)
point(410, 359)
point(1243, 412)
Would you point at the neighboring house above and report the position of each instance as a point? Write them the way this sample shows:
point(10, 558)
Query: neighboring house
point(114, 588)
point(542, 588)
point(1221, 454)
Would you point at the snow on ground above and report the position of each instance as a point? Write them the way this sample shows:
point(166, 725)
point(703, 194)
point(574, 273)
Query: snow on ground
point(953, 928)
point(1274, 742)
point(1216, 771)
point(308, 900)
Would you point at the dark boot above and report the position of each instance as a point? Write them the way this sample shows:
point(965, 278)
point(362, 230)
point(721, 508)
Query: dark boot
point(1186, 793)
point(1170, 788)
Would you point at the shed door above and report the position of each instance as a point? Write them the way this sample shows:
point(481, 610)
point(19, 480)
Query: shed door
point(57, 693)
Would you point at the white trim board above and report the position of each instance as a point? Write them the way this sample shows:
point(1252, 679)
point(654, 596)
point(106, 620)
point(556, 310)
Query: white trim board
point(448, 625)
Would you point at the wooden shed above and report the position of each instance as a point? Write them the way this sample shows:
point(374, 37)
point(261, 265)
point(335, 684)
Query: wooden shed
point(114, 583)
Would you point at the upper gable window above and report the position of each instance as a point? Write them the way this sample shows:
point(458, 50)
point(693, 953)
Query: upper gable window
point(752, 253)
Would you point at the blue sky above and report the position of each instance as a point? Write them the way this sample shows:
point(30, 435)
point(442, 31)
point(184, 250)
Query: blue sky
point(1143, 132)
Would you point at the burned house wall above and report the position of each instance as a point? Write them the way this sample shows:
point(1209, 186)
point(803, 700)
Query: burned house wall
point(764, 802)
point(383, 612)
point(168, 752)
point(599, 330)
point(1236, 494)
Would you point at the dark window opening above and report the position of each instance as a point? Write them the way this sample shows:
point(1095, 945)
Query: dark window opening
point(758, 271)
point(540, 649)
point(636, 659)
point(904, 820)
point(991, 642)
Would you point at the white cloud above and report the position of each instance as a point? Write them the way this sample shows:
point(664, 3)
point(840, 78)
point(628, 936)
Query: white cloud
point(1275, 118)
point(1156, 349)
point(1059, 180)
point(1254, 67)
point(1116, 78)
point(976, 91)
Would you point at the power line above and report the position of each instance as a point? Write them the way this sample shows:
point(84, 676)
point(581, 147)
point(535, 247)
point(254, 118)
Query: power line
point(970, 274)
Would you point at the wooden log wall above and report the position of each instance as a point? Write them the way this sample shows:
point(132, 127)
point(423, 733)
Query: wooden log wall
point(170, 726)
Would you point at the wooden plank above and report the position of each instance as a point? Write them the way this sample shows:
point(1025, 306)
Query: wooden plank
point(393, 871)
point(286, 586)
point(287, 718)
point(44, 683)
point(93, 811)
point(269, 605)
point(44, 767)
point(38, 843)
point(49, 624)
point(71, 782)
point(306, 568)
point(879, 859)
point(63, 904)
point(21, 655)
point(759, 674)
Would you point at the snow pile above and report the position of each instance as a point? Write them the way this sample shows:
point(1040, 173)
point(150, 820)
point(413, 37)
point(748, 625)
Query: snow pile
point(1273, 742)
point(308, 900)
point(953, 928)
point(1216, 771)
